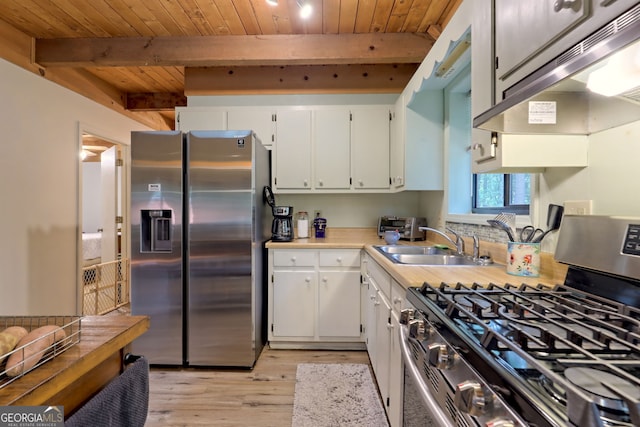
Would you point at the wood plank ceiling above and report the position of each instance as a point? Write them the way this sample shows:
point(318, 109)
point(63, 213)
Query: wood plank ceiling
point(143, 57)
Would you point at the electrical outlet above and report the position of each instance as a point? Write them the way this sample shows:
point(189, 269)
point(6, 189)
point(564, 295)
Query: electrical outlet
point(578, 207)
point(317, 214)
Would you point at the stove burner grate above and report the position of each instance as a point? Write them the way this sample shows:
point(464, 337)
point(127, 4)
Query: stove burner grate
point(556, 334)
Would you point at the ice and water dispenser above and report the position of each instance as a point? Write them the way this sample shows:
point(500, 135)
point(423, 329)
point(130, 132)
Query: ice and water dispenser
point(155, 230)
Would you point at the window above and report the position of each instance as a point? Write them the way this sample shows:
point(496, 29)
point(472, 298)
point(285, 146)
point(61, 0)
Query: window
point(496, 192)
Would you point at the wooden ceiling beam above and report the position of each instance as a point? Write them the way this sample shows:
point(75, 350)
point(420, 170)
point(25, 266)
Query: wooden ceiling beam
point(205, 51)
point(154, 101)
point(16, 47)
point(375, 78)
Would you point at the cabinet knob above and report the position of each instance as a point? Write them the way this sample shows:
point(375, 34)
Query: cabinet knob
point(360, 183)
point(320, 183)
point(307, 279)
point(470, 398)
point(306, 183)
point(339, 259)
point(293, 259)
point(324, 279)
point(397, 300)
point(558, 5)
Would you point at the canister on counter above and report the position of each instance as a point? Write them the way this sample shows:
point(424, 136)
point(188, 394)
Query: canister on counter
point(320, 225)
point(302, 225)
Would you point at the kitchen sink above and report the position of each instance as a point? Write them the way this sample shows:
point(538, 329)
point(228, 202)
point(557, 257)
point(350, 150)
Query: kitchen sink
point(428, 255)
point(412, 250)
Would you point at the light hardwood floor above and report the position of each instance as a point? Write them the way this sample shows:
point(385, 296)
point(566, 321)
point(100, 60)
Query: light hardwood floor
point(260, 397)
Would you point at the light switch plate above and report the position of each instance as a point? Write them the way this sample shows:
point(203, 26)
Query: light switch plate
point(578, 207)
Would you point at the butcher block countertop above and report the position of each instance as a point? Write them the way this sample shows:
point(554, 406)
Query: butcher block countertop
point(73, 376)
point(552, 273)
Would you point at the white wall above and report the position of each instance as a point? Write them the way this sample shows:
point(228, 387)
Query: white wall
point(39, 170)
point(610, 180)
point(353, 210)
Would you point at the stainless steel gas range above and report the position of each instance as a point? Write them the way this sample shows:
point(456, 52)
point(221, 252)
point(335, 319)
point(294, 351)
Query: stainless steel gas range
point(518, 355)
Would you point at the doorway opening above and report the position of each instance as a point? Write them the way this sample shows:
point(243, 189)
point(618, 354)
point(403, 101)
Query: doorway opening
point(104, 262)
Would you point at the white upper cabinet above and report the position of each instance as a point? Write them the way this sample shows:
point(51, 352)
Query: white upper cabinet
point(196, 118)
point(397, 144)
point(507, 153)
point(331, 149)
point(532, 33)
point(322, 148)
point(292, 151)
point(331, 152)
point(533, 153)
point(482, 80)
point(260, 120)
point(370, 147)
point(519, 34)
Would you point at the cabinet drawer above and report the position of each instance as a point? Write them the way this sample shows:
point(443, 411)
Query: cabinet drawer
point(340, 258)
point(294, 258)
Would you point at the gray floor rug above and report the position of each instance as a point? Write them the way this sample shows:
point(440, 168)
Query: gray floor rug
point(335, 395)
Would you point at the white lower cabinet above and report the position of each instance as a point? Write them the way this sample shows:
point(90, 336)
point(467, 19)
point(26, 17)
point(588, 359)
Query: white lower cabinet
point(337, 290)
point(314, 298)
point(293, 304)
point(382, 335)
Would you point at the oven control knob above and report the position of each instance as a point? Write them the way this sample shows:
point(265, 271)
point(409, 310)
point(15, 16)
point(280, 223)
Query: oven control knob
point(417, 329)
point(500, 422)
point(440, 356)
point(406, 314)
point(470, 398)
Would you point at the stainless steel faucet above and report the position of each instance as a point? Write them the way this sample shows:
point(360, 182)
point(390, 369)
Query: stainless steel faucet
point(459, 243)
point(476, 247)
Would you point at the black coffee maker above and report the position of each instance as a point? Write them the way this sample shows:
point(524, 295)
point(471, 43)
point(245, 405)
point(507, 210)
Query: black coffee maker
point(282, 226)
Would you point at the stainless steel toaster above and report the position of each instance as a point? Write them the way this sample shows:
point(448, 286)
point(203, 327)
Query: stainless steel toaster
point(408, 227)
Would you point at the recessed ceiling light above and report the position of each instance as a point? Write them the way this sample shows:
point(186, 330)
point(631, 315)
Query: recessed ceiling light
point(272, 2)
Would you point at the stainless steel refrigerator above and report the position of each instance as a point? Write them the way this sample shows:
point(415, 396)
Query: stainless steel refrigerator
point(198, 227)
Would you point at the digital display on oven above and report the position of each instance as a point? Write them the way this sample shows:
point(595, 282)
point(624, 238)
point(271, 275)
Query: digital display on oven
point(632, 240)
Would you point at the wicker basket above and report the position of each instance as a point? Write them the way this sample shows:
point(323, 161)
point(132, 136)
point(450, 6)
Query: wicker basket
point(70, 325)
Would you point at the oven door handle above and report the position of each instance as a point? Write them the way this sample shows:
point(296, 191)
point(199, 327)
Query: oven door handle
point(438, 414)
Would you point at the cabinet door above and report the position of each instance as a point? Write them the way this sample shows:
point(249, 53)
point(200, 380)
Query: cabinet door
point(331, 155)
point(396, 374)
point(518, 27)
point(293, 150)
point(383, 343)
point(397, 144)
point(294, 303)
point(258, 120)
point(338, 304)
point(201, 119)
point(370, 148)
point(371, 302)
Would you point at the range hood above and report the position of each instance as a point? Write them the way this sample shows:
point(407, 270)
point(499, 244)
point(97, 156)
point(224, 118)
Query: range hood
point(555, 99)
